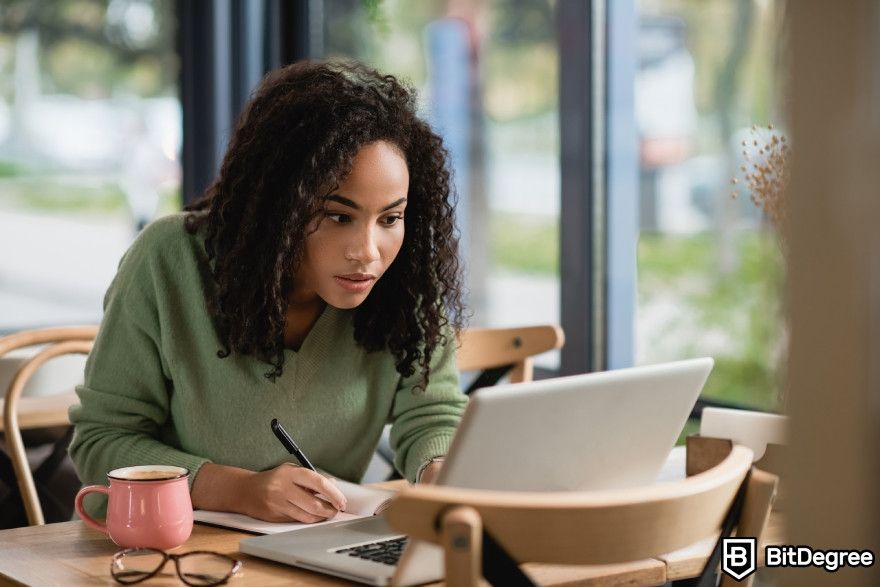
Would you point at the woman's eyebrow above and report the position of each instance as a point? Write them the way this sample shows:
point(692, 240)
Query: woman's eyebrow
point(343, 200)
point(394, 204)
point(352, 204)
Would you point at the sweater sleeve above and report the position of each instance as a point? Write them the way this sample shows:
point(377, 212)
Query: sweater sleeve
point(124, 401)
point(424, 421)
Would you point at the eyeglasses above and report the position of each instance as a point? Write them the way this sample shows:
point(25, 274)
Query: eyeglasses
point(199, 568)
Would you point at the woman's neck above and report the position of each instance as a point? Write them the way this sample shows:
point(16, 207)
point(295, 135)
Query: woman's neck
point(299, 320)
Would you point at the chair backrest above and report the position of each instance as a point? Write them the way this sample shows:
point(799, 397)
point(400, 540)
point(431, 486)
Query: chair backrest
point(583, 527)
point(510, 349)
point(59, 341)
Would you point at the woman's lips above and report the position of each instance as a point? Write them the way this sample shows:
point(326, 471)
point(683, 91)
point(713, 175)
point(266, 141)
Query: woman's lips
point(358, 285)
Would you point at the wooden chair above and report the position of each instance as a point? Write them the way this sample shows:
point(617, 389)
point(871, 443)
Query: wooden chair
point(19, 413)
point(490, 532)
point(498, 351)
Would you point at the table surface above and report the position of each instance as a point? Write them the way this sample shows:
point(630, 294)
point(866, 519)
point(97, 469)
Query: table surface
point(72, 554)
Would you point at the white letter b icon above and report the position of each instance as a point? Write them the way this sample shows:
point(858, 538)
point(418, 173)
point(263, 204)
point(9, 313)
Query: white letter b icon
point(738, 557)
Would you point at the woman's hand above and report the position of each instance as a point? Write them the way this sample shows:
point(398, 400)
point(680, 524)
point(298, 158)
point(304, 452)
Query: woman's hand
point(290, 493)
point(286, 493)
point(430, 472)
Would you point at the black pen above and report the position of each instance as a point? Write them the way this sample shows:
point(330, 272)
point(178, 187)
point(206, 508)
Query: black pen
point(282, 435)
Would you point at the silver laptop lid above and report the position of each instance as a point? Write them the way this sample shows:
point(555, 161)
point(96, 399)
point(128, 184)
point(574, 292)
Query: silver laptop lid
point(596, 431)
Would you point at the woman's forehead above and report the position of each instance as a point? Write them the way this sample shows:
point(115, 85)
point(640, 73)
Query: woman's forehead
point(379, 176)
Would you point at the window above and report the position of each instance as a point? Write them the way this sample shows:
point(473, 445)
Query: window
point(89, 142)
point(487, 77)
point(709, 264)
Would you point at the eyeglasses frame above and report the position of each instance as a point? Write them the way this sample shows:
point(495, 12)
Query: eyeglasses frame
point(236, 565)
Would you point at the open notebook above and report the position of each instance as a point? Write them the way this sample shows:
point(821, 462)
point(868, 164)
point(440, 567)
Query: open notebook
point(362, 502)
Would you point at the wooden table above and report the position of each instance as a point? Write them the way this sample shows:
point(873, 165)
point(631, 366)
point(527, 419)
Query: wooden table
point(72, 554)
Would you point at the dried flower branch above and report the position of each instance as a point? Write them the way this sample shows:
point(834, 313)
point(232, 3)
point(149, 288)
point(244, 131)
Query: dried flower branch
point(765, 172)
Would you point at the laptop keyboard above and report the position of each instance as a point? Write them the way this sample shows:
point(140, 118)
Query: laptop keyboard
point(385, 551)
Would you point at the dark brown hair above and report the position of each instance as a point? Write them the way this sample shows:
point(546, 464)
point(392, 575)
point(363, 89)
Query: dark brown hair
point(300, 131)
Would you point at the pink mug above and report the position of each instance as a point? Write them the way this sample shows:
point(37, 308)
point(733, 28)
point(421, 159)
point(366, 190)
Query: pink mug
point(147, 506)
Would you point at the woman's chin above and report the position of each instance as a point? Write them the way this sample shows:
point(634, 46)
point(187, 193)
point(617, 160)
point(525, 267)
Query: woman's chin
point(347, 302)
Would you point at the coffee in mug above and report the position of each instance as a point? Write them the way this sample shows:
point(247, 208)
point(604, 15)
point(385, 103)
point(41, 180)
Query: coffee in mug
point(148, 506)
point(148, 474)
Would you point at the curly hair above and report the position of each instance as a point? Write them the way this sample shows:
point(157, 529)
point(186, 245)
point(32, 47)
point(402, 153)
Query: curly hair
point(300, 130)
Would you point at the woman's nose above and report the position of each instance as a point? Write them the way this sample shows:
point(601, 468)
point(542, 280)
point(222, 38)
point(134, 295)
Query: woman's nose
point(365, 248)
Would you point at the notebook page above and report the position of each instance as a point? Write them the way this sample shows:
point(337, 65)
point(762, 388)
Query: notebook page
point(364, 501)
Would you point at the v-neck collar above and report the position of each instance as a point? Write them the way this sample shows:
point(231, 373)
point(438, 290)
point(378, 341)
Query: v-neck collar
point(315, 332)
point(299, 366)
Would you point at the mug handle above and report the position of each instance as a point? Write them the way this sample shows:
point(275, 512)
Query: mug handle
point(89, 520)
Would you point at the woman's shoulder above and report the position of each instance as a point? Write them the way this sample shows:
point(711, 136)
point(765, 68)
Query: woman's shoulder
point(170, 228)
point(164, 236)
point(165, 242)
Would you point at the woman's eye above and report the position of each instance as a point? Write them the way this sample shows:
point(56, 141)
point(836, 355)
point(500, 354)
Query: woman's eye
point(339, 218)
point(391, 220)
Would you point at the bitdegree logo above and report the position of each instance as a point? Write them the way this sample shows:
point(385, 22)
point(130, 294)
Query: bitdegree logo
point(739, 558)
point(804, 556)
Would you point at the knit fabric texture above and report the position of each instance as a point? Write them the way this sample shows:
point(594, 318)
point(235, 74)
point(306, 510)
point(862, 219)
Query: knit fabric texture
point(156, 392)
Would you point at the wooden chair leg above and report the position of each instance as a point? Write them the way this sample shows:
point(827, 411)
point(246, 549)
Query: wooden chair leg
point(760, 492)
point(462, 532)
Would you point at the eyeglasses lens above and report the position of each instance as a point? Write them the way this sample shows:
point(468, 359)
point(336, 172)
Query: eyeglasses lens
point(205, 568)
point(134, 565)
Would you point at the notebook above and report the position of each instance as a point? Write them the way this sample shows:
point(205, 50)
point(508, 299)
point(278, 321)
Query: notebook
point(362, 501)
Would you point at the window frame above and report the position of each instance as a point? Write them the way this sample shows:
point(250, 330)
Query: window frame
point(225, 48)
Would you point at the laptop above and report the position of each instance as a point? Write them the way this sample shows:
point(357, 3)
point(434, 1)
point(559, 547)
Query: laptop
point(597, 431)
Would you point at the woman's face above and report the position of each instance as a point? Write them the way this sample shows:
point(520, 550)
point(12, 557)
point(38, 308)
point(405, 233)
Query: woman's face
point(351, 245)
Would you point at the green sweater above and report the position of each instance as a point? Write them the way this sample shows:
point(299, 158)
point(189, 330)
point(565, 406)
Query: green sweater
point(155, 391)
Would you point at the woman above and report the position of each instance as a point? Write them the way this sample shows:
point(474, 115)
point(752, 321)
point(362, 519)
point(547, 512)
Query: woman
point(311, 284)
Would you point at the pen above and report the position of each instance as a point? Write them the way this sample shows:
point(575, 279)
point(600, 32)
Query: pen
point(282, 435)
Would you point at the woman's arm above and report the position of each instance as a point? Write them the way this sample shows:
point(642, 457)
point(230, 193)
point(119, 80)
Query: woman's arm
point(124, 410)
point(124, 401)
point(424, 421)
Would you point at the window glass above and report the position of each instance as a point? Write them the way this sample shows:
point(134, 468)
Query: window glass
point(487, 78)
point(709, 260)
point(89, 141)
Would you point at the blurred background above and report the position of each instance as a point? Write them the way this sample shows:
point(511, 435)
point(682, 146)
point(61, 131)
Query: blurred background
point(600, 135)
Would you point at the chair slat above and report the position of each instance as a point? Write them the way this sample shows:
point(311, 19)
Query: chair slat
point(482, 348)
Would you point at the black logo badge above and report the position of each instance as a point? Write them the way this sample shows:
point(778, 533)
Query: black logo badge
point(739, 557)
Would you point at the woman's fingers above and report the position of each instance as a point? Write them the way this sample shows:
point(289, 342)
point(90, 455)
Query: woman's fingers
point(319, 484)
point(297, 513)
point(312, 503)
